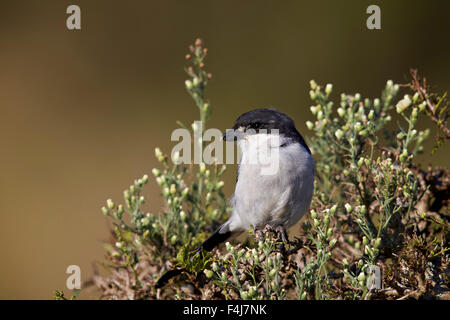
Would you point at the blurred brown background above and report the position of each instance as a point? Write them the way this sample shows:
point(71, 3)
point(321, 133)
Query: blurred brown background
point(82, 111)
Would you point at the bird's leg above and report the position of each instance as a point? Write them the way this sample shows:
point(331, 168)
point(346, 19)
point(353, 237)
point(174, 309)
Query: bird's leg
point(259, 234)
point(282, 234)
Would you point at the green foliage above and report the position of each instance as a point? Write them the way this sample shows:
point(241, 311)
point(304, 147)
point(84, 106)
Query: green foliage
point(370, 180)
point(194, 198)
point(195, 202)
point(193, 261)
point(320, 233)
point(59, 295)
point(250, 273)
point(371, 203)
point(437, 107)
point(347, 138)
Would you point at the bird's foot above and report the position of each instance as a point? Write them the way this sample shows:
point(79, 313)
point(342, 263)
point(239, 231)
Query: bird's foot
point(282, 237)
point(282, 234)
point(259, 234)
point(279, 231)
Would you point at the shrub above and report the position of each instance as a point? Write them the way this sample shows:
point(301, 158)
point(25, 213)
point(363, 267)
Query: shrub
point(375, 216)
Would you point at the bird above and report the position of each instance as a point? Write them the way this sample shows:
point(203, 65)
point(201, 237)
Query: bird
point(275, 178)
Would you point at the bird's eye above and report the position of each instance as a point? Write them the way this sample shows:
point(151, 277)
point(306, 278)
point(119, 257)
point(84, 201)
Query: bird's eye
point(256, 125)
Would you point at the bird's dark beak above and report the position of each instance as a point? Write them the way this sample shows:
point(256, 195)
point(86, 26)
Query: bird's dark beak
point(230, 135)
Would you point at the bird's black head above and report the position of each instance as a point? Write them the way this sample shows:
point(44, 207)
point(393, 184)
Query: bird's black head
point(265, 120)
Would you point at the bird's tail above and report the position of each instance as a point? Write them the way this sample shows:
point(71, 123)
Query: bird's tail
point(215, 239)
point(219, 236)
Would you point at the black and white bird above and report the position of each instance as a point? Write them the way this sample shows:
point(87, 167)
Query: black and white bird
point(275, 178)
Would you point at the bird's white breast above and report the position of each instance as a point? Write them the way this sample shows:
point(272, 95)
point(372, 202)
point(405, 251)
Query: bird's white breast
point(275, 183)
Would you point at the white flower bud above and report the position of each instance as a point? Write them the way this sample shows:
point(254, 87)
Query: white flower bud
point(328, 89)
point(339, 134)
point(220, 184)
point(404, 155)
point(345, 263)
point(188, 84)
point(176, 157)
point(365, 241)
point(348, 207)
point(376, 103)
point(403, 104)
point(320, 115)
point(389, 84)
point(110, 204)
point(166, 191)
point(422, 106)
point(156, 172)
point(360, 161)
point(363, 133)
point(361, 277)
point(209, 274)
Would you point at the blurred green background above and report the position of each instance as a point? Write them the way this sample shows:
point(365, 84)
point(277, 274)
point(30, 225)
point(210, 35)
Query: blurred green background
point(82, 111)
